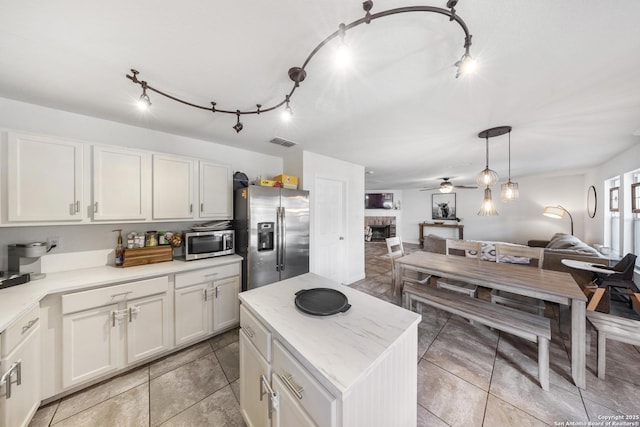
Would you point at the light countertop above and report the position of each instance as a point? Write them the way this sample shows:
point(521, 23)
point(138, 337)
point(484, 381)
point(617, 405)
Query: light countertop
point(341, 347)
point(16, 300)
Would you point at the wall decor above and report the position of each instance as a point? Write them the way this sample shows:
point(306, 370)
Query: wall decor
point(613, 199)
point(592, 202)
point(443, 206)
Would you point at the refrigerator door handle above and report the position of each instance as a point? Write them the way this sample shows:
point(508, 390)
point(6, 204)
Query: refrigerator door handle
point(277, 239)
point(283, 237)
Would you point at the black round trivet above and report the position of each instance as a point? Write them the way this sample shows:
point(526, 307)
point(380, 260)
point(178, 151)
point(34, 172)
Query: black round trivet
point(321, 301)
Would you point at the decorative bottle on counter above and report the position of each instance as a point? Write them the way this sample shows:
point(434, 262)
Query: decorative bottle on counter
point(119, 249)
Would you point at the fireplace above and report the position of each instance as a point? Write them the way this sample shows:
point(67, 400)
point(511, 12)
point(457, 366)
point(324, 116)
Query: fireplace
point(378, 228)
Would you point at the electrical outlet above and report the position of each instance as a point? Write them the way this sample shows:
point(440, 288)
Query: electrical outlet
point(54, 241)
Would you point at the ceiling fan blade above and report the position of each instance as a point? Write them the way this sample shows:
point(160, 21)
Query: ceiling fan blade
point(464, 186)
point(430, 189)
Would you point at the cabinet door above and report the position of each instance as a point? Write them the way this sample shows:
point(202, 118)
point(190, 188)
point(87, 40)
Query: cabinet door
point(216, 191)
point(253, 404)
point(90, 344)
point(289, 412)
point(18, 409)
point(226, 307)
point(193, 312)
point(120, 183)
point(147, 327)
point(44, 179)
point(172, 187)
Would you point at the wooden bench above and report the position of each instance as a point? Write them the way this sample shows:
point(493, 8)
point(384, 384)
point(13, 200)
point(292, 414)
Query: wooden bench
point(522, 324)
point(609, 326)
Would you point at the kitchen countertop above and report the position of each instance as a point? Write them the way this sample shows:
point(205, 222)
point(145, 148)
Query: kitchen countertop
point(17, 300)
point(341, 347)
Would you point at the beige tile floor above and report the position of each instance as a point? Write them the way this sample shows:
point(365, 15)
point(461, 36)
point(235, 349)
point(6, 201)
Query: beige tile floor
point(467, 376)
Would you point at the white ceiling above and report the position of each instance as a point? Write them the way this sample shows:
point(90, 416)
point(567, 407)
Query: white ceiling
point(563, 74)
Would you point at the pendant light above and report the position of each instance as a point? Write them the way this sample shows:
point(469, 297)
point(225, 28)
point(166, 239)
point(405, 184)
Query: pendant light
point(487, 177)
point(509, 190)
point(487, 208)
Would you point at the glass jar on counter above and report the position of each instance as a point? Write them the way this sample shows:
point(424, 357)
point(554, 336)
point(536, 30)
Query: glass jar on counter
point(152, 238)
point(162, 238)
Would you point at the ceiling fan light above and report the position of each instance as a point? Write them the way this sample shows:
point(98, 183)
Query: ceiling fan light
point(446, 187)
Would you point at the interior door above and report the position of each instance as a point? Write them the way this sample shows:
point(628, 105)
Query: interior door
point(295, 232)
point(329, 229)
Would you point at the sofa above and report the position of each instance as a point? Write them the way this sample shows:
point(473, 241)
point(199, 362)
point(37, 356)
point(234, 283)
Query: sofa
point(561, 246)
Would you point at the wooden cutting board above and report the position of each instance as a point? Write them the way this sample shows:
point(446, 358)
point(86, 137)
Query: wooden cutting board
point(147, 255)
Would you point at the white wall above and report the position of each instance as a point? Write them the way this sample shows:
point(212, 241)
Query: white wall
point(316, 165)
point(21, 116)
point(518, 221)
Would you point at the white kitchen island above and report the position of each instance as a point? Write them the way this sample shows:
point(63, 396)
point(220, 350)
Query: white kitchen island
point(356, 368)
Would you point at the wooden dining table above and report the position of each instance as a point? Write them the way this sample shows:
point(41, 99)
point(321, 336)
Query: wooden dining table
point(547, 285)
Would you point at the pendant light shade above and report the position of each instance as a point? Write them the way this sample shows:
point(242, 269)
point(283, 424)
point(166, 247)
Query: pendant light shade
point(509, 190)
point(488, 177)
point(487, 208)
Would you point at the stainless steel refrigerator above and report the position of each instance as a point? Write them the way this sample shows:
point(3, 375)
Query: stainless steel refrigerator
point(272, 234)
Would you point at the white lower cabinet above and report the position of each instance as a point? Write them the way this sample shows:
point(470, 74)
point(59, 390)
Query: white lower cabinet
point(255, 373)
point(20, 371)
point(206, 301)
point(109, 328)
point(275, 389)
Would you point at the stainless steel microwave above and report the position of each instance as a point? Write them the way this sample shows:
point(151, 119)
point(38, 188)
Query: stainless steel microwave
point(207, 244)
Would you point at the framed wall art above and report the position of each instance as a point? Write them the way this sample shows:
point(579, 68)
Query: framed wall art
point(443, 206)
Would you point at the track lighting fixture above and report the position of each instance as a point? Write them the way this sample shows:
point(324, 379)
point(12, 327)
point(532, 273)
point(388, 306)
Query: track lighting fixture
point(343, 57)
point(144, 102)
point(287, 113)
point(297, 74)
point(238, 126)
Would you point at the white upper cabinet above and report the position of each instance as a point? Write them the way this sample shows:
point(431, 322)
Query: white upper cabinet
point(121, 180)
point(172, 187)
point(216, 193)
point(45, 177)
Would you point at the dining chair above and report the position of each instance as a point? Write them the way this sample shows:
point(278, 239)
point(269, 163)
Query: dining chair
point(465, 248)
point(621, 279)
point(523, 255)
point(395, 249)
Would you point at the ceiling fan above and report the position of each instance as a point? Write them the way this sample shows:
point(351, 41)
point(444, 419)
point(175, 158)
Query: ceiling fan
point(447, 186)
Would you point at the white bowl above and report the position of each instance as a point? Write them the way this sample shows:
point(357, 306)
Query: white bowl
point(605, 250)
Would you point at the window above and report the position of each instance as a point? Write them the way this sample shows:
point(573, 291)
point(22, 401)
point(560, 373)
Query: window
point(614, 199)
point(635, 197)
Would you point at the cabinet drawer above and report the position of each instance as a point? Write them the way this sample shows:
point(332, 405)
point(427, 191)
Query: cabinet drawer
point(19, 329)
point(311, 395)
point(256, 332)
point(207, 275)
point(113, 294)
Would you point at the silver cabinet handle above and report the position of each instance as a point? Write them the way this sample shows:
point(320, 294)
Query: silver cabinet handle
point(77, 206)
point(133, 310)
point(264, 384)
point(120, 294)
point(206, 294)
point(201, 207)
point(249, 331)
point(216, 293)
point(288, 381)
point(28, 326)
point(211, 275)
point(95, 207)
point(6, 378)
point(117, 314)
point(191, 208)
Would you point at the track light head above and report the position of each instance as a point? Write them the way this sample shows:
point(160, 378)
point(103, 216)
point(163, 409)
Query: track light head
point(466, 65)
point(144, 102)
point(287, 113)
point(238, 126)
